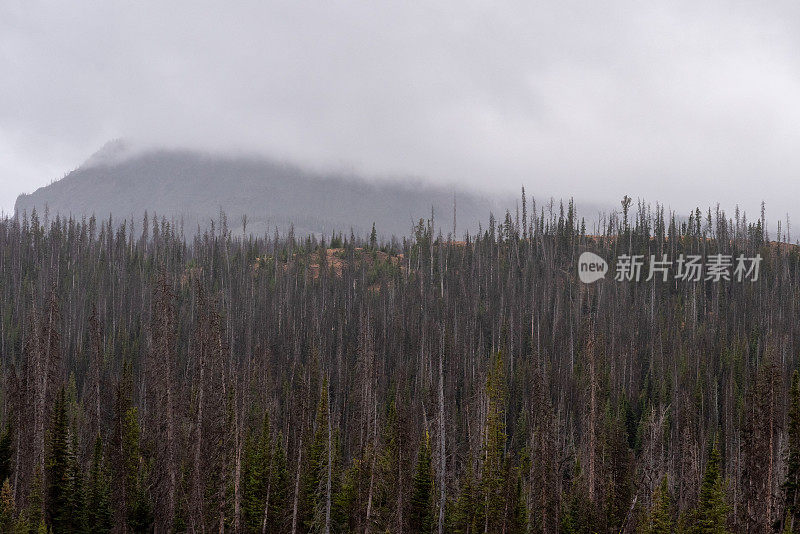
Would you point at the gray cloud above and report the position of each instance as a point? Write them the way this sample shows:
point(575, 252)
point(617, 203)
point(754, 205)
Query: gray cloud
point(682, 103)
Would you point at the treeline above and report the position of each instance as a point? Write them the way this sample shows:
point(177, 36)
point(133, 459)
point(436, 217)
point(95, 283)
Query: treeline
point(279, 384)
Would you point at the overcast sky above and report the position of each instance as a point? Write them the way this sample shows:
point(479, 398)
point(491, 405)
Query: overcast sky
point(687, 103)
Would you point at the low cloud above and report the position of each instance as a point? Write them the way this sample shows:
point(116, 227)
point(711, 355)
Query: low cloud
point(687, 104)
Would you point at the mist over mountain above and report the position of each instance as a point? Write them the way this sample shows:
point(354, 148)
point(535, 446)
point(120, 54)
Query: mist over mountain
point(193, 187)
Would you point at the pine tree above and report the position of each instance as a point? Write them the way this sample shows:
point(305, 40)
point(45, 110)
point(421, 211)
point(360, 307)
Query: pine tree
point(420, 516)
point(617, 487)
point(314, 479)
point(463, 518)
point(264, 481)
point(279, 488)
point(76, 509)
point(518, 520)
point(660, 518)
point(711, 513)
point(33, 511)
point(254, 474)
point(140, 516)
point(7, 507)
point(6, 441)
point(576, 512)
point(98, 505)
point(346, 498)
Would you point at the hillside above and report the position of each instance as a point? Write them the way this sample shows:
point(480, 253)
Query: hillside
point(194, 187)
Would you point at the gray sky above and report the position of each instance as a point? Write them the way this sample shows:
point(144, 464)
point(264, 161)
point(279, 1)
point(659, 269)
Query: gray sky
point(685, 103)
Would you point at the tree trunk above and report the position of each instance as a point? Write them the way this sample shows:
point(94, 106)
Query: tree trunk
point(297, 487)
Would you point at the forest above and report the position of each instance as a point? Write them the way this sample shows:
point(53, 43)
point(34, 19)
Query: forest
point(152, 382)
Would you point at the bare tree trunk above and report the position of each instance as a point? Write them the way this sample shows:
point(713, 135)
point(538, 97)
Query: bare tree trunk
point(330, 472)
point(197, 489)
point(772, 378)
point(297, 487)
point(372, 471)
point(266, 502)
point(442, 460)
point(171, 452)
point(237, 476)
point(592, 417)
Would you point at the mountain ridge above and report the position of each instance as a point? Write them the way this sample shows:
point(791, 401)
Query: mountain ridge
point(196, 187)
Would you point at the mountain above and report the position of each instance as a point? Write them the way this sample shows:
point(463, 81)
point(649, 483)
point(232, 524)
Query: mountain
point(193, 188)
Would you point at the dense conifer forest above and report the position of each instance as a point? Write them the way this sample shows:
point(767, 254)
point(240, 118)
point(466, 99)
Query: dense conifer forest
point(436, 383)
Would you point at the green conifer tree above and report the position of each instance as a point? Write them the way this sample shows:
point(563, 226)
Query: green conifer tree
point(279, 491)
point(314, 479)
point(463, 517)
point(493, 473)
point(265, 479)
point(660, 517)
point(254, 478)
point(373, 238)
point(98, 505)
point(6, 440)
point(33, 511)
point(76, 508)
point(420, 518)
point(711, 513)
point(139, 510)
point(8, 509)
point(518, 519)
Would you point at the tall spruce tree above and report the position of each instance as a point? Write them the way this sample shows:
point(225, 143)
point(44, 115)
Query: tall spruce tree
point(265, 481)
point(463, 517)
point(8, 508)
point(493, 470)
point(420, 513)
point(711, 514)
point(659, 520)
point(6, 444)
point(98, 493)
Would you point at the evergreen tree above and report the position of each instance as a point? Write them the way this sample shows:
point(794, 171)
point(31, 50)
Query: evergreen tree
point(8, 509)
point(98, 505)
point(420, 520)
point(576, 513)
point(255, 478)
point(33, 511)
point(711, 513)
point(6, 440)
point(518, 520)
point(346, 497)
point(617, 487)
point(76, 504)
point(373, 238)
point(139, 517)
point(660, 518)
point(279, 490)
point(314, 481)
point(265, 481)
point(463, 517)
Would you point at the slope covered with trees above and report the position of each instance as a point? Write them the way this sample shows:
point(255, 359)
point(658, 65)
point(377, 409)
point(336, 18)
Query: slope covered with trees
point(193, 187)
point(286, 384)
